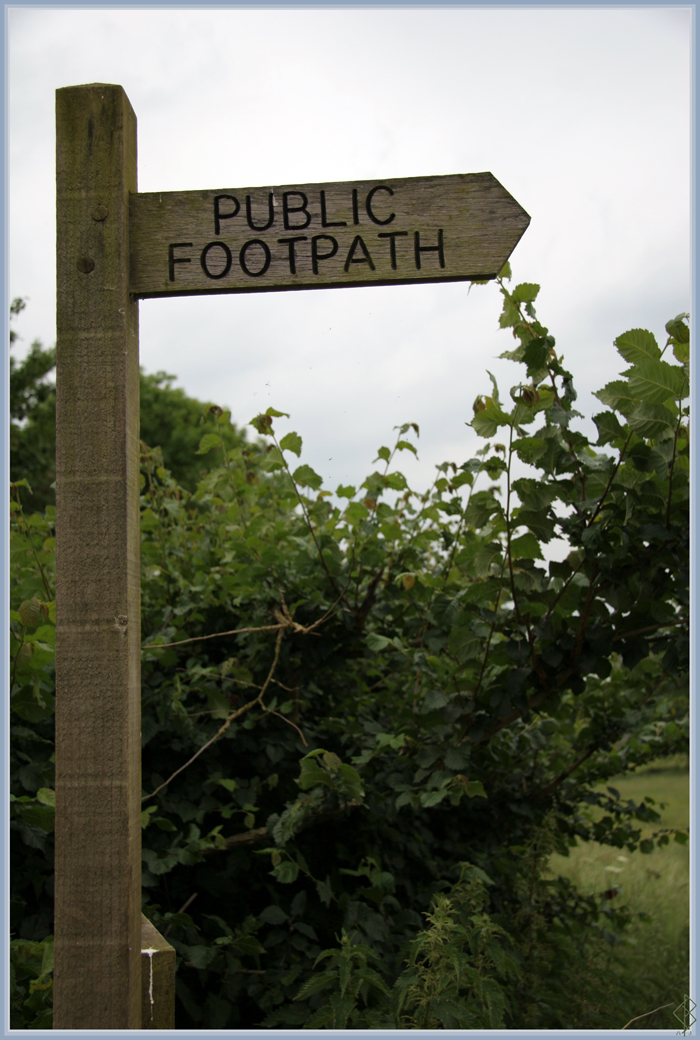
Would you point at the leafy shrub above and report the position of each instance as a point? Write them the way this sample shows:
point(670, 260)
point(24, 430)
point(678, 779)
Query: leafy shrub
point(368, 722)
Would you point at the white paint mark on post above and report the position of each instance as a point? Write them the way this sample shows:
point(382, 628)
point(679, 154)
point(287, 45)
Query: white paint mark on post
point(149, 953)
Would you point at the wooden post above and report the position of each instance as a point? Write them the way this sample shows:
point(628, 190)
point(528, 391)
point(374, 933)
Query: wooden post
point(114, 246)
point(157, 979)
point(98, 719)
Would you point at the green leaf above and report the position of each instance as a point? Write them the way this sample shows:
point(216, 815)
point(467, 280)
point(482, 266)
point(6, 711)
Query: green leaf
point(306, 477)
point(526, 292)
point(681, 351)
point(356, 511)
point(536, 354)
point(678, 329)
point(429, 798)
point(273, 460)
point(656, 381)
point(396, 481)
point(312, 775)
point(46, 796)
point(475, 789)
point(273, 915)
point(609, 428)
point(291, 442)
point(618, 395)
point(407, 446)
point(30, 612)
point(488, 417)
point(526, 546)
point(535, 494)
point(351, 782)
point(208, 441)
point(324, 891)
point(163, 824)
point(433, 700)
point(530, 449)
point(286, 872)
point(376, 642)
point(263, 422)
point(652, 421)
point(345, 491)
point(637, 345)
point(383, 453)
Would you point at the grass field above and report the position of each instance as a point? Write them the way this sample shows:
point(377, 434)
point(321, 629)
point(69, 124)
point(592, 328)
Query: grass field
point(654, 964)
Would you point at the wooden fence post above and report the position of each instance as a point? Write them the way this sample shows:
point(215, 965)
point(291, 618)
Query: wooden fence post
point(157, 979)
point(98, 712)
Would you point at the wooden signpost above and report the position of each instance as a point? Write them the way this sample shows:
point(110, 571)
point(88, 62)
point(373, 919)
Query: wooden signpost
point(114, 247)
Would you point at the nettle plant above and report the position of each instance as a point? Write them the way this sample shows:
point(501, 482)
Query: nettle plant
point(369, 719)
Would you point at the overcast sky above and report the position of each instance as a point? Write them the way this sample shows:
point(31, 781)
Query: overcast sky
point(582, 114)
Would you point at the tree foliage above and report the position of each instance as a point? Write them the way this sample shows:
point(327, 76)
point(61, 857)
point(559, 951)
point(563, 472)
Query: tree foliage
point(169, 420)
point(369, 719)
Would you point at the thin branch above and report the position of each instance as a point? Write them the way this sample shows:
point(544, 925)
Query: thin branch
point(289, 723)
point(234, 715)
point(609, 483)
point(648, 629)
point(15, 659)
point(261, 834)
point(646, 1015)
point(307, 517)
point(215, 635)
point(181, 911)
point(285, 621)
point(671, 466)
point(564, 588)
point(562, 776)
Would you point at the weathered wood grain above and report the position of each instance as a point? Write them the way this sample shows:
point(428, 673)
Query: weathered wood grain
point(98, 708)
point(321, 236)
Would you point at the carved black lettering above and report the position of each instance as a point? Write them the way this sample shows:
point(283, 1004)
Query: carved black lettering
point(292, 252)
point(418, 248)
point(355, 210)
point(270, 214)
point(287, 209)
point(204, 260)
point(218, 215)
point(172, 259)
point(316, 256)
point(266, 253)
point(368, 205)
point(357, 243)
point(392, 236)
point(324, 220)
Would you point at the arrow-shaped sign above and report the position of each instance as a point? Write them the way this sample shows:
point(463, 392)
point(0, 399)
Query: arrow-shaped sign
point(322, 236)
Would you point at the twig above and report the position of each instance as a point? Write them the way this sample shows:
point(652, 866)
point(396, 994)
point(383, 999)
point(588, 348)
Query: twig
point(647, 1014)
point(234, 715)
point(289, 723)
point(181, 911)
point(215, 635)
point(261, 834)
point(285, 621)
point(649, 629)
point(254, 837)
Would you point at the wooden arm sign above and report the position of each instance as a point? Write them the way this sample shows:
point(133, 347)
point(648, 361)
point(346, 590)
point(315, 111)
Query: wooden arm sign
point(322, 236)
